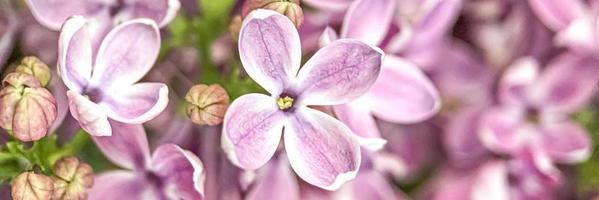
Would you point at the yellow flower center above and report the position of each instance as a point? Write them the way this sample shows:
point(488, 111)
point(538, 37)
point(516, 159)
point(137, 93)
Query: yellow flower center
point(284, 103)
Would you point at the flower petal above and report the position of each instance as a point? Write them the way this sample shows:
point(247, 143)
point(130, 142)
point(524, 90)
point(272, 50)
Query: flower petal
point(121, 185)
point(557, 14)
point(136, 104)
point(358, 22)
point(52, 14)
point(126, 54)
point(437, 19)
point(566, 142)
point(491, 182)
point(329, 5)
point(277, 182)
point(369, 185)
point(328, 35)
point(75, 54)
point(321, 150)
point(91, 117)
point(252, 130)
point(402, 93)
point(339, 72)
point(517, 79)
point(358, 118)
point(460, 138)
point(182, 171)
point(127, 146)
point(270, 50)
point(161, 11)
point(500, 129)
point(567, 83)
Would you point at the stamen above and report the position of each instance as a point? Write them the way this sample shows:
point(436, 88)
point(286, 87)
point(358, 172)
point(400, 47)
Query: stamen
point(285, 103)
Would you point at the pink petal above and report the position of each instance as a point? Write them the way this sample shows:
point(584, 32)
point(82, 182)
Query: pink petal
point(252, 129)
point(359, 119)
point(127, 146)
point(491, 183)
point(580, 34)
point(121, 185)
point(339, 72)
point(566, 142)
point(368, 20)
point(53, 14)
point(461, 139)
point(126, 54)
point(182, 171)
point(403, 94)
point(329, 5)
point(567, 83)
point(321, 150)
point(369, 185)
point(501, 129)
point(75, 54)
point(277, 182)
point(270, 50)
point(161, 11)
point(91, 117)
point(557, 14)
point(34, 114)
point(328, 35)
point(136, 104)
point(517, 79)
point(438, 19)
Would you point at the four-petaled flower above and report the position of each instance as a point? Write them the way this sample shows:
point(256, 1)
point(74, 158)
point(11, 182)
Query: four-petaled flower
point(534, 108)
point(170, 173)
point(102, 85)
point(53, 14)
point(321, 150)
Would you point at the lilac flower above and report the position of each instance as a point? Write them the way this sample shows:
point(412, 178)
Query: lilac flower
point(321, 150)
point(420, 27)
point(53, 14)
point(402, 93)
point(276, 181)
point(8, 29)
point(102, 85)
point(170, 173)
point(534, 109)
point(525, 177)
point(575, 21)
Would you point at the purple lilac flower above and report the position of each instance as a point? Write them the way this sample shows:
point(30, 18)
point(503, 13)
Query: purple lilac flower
point(169, 173)
point(103, 85)
point(321, 150)
point(534, 108)
point(53, 14)
point(401, 94)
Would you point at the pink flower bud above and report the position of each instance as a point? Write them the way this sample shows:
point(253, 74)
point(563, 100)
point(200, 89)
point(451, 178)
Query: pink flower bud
point(33, 66)
point(29, 185)
point(26, 108)
point(207, 104)
point(73, 179)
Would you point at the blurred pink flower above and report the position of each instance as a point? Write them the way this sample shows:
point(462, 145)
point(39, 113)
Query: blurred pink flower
point(102, 84)
point(170, 173)
point(534, 108)
point(401, 94)
point(322, 151)
point(52, 14)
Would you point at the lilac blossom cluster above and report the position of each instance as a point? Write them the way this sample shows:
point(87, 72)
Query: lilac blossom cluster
point(299, 99)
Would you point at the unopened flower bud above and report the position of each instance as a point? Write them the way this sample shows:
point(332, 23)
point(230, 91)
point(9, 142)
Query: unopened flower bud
point(73, 179)
point(33, 66)
point(207, 104)
point(32, 186)
point(26, 108)
point(289, 8)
